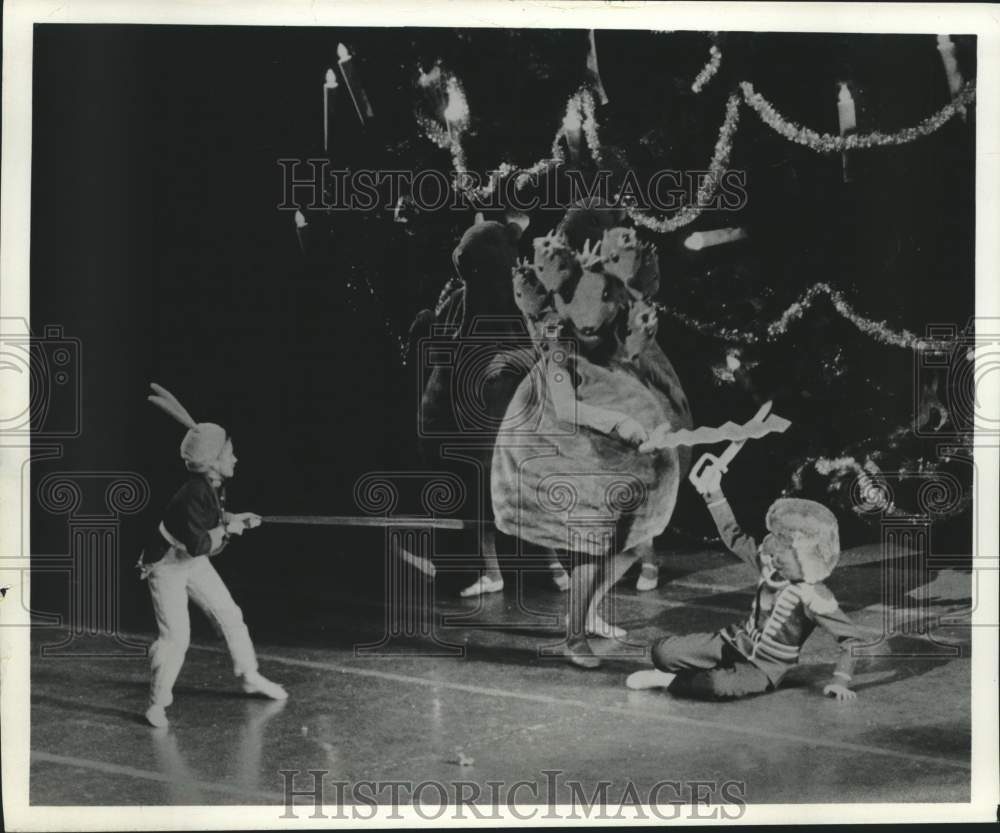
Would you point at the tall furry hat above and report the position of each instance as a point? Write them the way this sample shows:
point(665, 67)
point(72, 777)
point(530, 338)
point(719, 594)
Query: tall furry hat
point(813, 531)
point(634, 263)
point(203, 442)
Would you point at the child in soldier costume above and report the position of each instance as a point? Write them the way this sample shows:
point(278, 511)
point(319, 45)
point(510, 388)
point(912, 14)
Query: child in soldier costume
point(800, 551)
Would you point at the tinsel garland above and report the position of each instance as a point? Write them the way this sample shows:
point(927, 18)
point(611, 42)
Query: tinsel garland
point(828, 143)
point(706, 193)
point(709, 70)
point(582, 102)
point(877, 330)
point(869, 496)
point(585, 100)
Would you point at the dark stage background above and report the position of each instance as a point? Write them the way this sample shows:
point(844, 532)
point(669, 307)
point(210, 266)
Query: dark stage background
point(156, 240)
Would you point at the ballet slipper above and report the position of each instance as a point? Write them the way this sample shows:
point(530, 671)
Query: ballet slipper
point(157, 716)
point(482, 586)
point(596, 626)
point(649, 578)
point(578, 652)
point(257, 683)
point(649, 678)
point(560, 578)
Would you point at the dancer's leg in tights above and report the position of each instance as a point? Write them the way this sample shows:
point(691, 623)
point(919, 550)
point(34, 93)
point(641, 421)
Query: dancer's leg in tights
point(613, 570)
point(589, 584)
point(490, 580)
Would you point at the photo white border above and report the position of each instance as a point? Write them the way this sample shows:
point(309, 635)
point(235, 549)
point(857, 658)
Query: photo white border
point(15, 202)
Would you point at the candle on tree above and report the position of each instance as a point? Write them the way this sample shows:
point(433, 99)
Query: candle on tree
point(330, 83)
point(594, 71)
point(572, 128)
point(434, 87)
point(456, 111)
point(848, 123)
point(845, 110)
point(300, 229)
point(352, 80)
point(946, 46)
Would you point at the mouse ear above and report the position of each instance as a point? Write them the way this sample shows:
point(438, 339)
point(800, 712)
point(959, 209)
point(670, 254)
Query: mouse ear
point(517, 224)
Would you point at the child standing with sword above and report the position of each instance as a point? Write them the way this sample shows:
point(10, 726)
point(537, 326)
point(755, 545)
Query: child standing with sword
point(176, 564)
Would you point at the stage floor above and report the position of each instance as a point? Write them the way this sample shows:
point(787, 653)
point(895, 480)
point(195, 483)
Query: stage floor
point(502, 713)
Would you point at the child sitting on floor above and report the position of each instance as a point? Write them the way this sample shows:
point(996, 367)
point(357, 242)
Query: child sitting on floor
point(800, 551)
point(176, 563)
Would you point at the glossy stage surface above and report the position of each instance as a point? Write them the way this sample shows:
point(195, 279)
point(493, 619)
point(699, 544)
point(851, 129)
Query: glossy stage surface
point(491, 707)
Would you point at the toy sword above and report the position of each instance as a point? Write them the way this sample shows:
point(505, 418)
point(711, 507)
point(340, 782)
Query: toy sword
point(708, 462)
point(763, 423)
point(425, 565)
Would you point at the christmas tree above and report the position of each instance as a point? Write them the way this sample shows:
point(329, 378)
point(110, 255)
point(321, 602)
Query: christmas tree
point(821, 221)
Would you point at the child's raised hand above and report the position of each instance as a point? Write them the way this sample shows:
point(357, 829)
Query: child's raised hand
point(706, 474)
point(839, 692)
point(631, 431)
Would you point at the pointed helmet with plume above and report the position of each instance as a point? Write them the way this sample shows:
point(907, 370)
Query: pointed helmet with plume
point(203, 442)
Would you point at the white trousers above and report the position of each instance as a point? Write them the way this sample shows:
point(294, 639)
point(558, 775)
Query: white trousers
point(172, 580)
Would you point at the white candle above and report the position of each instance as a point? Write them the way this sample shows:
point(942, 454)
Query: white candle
point(353, 83)
point(845, 110)
point(398, 214)
point(300, 230)
point(848, 123)
point(431, 81)
point(573, 128)
point(456, 112)
point(330, 83)
point(595, 72)
point(946, 46)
